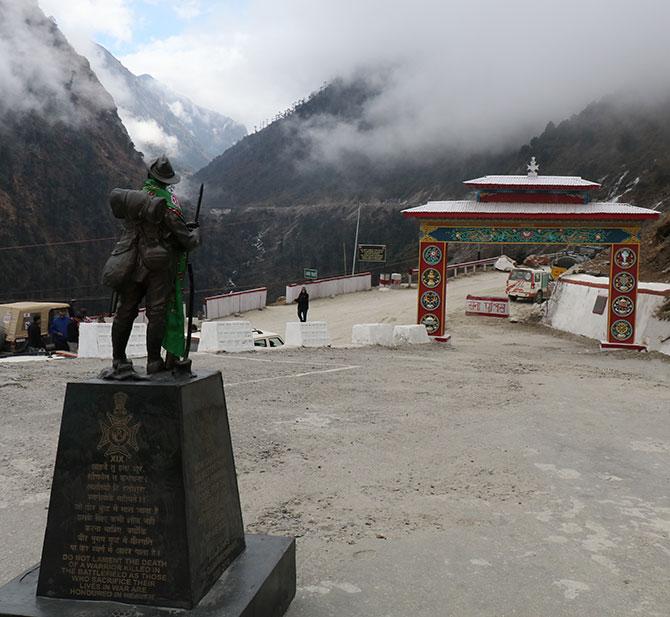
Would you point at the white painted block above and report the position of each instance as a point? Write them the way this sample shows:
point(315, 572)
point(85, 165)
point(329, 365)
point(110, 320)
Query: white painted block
point(410, 335)
point(95, 341)
point(372, 334)
point(307, 334)
point(230, 336)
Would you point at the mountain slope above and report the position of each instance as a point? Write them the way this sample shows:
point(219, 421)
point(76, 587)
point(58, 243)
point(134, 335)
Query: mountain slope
point(162, 121)
point(622, 143)
point(58, 162)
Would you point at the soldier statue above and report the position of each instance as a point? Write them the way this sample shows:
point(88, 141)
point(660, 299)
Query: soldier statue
point(149, 262)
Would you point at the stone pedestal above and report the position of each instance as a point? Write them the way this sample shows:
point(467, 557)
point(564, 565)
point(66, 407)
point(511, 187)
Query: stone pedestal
point(145, 511)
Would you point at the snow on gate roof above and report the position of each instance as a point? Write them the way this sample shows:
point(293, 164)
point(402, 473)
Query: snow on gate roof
point(530, 181)
point(485, 210)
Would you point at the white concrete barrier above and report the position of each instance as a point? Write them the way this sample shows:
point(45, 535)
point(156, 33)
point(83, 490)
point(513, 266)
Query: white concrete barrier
point(236, 302)
point(410, 335)
point(230, 336)
point(333, 286)
point(571, 305)
point(307, 334)
point(95, 341)
point(372, 334)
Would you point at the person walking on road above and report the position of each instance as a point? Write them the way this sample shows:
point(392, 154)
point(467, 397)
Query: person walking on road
point(303, 304)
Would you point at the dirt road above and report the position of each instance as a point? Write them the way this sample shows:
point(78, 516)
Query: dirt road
point(513, 472)
point(375, 306)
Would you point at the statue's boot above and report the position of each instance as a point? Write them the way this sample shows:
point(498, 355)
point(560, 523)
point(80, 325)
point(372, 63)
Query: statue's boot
point(155, 332)
point(155, 366)
point(122, 368)
point(120, 335)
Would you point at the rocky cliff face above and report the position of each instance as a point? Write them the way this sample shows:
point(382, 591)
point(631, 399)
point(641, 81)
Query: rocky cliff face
point(162, 121)
point(62, 149)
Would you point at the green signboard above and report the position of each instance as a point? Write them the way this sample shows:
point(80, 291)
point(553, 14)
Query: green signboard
point(372, 252)
point(310, 273)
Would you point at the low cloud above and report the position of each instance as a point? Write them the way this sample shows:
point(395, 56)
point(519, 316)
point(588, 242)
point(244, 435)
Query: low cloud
point(149, 138)
point(40, 72)
point(475, 72)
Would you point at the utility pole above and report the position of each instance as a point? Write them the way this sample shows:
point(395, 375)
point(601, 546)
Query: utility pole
point(358, 223)
point(344, 256)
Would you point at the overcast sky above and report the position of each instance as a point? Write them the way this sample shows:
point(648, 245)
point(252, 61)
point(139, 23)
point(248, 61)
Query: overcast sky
point(467, 69)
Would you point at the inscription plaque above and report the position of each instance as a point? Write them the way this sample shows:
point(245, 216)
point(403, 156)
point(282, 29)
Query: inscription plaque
point(144, 504)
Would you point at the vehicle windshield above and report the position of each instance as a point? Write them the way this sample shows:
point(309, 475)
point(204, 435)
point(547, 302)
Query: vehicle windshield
point(520, 275)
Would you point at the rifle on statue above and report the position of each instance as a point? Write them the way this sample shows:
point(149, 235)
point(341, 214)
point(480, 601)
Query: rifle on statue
point(183, 366)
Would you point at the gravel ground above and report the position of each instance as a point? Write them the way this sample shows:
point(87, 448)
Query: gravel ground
point(516, 471)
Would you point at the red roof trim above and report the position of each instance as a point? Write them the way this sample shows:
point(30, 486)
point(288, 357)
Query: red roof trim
point(599, 216)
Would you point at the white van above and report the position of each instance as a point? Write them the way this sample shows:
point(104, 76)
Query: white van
point(530, 283)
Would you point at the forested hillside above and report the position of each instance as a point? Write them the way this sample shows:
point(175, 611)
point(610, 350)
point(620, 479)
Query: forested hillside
point(621, 143)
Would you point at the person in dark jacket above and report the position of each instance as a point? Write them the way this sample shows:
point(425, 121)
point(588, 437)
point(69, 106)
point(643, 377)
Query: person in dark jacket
point(155, 225)
point(35, 340)
point(303, 304)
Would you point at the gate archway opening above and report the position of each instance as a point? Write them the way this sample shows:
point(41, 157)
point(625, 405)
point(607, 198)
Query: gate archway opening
point(532, 209)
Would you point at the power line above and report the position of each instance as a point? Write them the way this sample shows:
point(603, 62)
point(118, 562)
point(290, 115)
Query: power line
point(91, 240)
point(63, 243)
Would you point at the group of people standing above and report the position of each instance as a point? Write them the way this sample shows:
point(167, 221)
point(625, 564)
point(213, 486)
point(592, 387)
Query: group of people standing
point(63, 330)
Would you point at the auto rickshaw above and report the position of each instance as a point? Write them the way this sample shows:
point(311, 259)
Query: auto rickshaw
point(17, 316)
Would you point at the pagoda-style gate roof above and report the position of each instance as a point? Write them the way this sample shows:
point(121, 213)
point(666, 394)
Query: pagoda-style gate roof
point(531, 209)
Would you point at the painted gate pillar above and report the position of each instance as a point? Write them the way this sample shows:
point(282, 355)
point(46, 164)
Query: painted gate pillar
point(622, 305)
point(432, 296)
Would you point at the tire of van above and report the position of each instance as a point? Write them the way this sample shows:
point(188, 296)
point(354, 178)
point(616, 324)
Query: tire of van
point(539, 297)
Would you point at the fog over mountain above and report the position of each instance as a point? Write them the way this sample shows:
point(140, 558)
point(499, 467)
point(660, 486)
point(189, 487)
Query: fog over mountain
point(470, 75)
point(62, 149)
point(40, 73)
point(162, 121)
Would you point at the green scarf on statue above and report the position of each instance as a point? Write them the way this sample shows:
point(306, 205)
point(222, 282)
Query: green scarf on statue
point(173, 339)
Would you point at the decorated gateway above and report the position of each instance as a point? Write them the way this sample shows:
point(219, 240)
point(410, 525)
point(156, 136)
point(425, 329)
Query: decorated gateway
point(532, 209)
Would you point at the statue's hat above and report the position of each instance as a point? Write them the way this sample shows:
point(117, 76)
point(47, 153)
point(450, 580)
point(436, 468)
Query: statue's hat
point(161, 170)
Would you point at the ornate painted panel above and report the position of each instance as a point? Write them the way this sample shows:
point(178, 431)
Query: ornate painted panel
point(432, 299)
point(624, 270)
point(531, 235)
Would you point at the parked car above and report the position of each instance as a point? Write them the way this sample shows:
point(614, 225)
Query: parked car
point(266, 340)
point(530, 283)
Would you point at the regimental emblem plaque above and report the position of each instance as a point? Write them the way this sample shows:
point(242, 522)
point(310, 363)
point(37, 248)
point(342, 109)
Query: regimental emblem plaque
point(621, 330)
point(119, 434)
point(432, 255)
point(430, 300)
point(623, 306)
point(624, 282)
point(625, 258)
point(432, 323)
point(431, 278)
